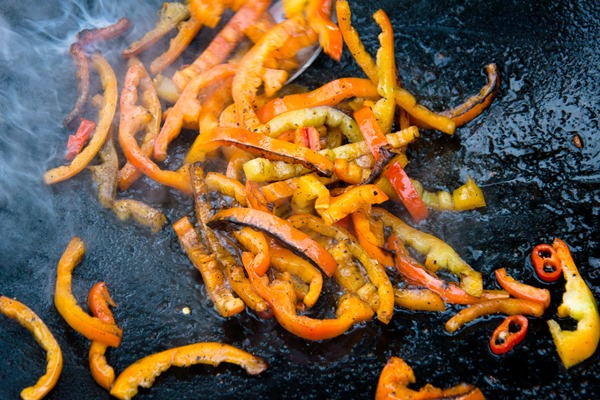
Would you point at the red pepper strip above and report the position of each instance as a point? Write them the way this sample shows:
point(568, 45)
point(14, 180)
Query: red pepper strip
point(82, 73)
point(54, 360)
point(282, 300)
point(330, 37)
point(505, 338)
point(143, 372)
point(133, 117)
point(224, 43)
point(395, 173)
point(77, 141)
point(417, 275)
point(352, 200)
point(255, 197)
point(92, 328)
point(397, 375)
point(521, 290)
point(266, 147)
point(188, 107)
point(546, 262)
point(187, 32)
point(89, 36)
point(98, 300)
point(308, 136)
point(367, 239)
point(498, 306)
point(330, 94)
point(280, 229)
point(256, 242)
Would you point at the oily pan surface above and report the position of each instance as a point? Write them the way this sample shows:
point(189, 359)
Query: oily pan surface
point(538, 185)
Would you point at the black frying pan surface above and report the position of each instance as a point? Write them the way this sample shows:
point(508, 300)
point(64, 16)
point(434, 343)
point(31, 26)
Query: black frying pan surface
point(538, 185)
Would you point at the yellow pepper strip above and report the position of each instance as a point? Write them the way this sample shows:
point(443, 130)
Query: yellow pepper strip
point(438, 253)
point(54, 360)
point(418, 299)
point(284, 260)
point(352, 200)
point(144, 372)
point(466, 197)
point(226, 304)
point(187, 32)
point(579, 303)
point(407, 102)
point(385, 107)
point(66, 304)
point(227, 186)
point(98, 300)
point(397, 375)
point(105, 119)
point(310, 194)
point(347, 274)
point(508, 306)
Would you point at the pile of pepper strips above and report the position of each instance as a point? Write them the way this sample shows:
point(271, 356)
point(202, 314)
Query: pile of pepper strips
point(297, 195)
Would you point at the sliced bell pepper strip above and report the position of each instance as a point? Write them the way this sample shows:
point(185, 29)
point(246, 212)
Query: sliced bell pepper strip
point(397, 375)
point(578, 302)
point(256, 242)
point(438, 253)
point(89, 36)
point(187, 32)
point(226, 304)
point(144, 372)
point(280, 229)
point(387, 84)
point(133, 117)
point(330, 94)
point(498, 306)
point(105, 118)
point(92, 328)
point(227, 186)
point(255, 197)
point(308, 136)
point(352, 200)
point(77, 141)
point(521, 290)
point(98, 300)
point(82, 74)
point(310, 194)
point(368, 241)
point(546, 262)
point(508, 334)
point(266, 147)
point(209, 12)
point(418, 299)
point(224, 43)
point(349, 171)
point(318, 15)
point(347, 274)
point(54, 361)
point(466, 197)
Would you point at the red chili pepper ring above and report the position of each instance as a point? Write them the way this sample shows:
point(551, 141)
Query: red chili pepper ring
point(546, 262)
point(510, 333)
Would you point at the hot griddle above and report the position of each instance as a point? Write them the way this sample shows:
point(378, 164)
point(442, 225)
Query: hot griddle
point(537, 183)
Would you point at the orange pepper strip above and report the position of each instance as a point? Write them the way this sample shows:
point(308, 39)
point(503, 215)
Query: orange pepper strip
point(92, 328)
point(386, 68)
point(144, 372)
point(368, 241)
point(227, 186)
point(224, 43)
point(397, 375)
point(352, 200)
point(280, 229)
point(280, 191)
point(227, 305)
point(281, 298)
point(129, 173)
point(498, 306)
point(133, 117)
point(187, 32)
point(418, 300)
point(264, 146)
point(98, 300)
point(285, 39)
point(256, 242)
point(255, 197)
point(54, 361)
point(330, 94)
point(188, 107)
point(521, 290)
point(105, 118)
point(330, 37)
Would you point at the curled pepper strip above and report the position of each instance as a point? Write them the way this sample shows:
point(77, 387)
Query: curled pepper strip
point(352, 200)
point(105, 118)
point(397, 375)
point(92, 328)
point(466, 197)
point(546, 262)
point(281, 230)
point(330, 37)
point(144, 372)
point(498, 306)
point(187, 32)
point(508, 334)
point(521, 290)
point(366, 238)
point(578, 302)
point(77, 141)
point(256, 242)
point(98, 300)
point(54, 361)
point(227, 186)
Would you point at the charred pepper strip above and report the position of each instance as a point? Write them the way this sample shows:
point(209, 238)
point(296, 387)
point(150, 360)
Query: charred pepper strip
point(508, 334)
point(227, 186)
point(106, 115)
point(89, 36)
point(280, 229)
point(521, 290)
point(144, 372)
point(187, 32)
point(397, 375)
point(227, 305)
point(54, 361)
point(318, 16)
point(98, 300)
point(578, 302)
point(367, 240)
point(92, 328)
point(82, 74)
point(546, 262)
point(256, 242)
